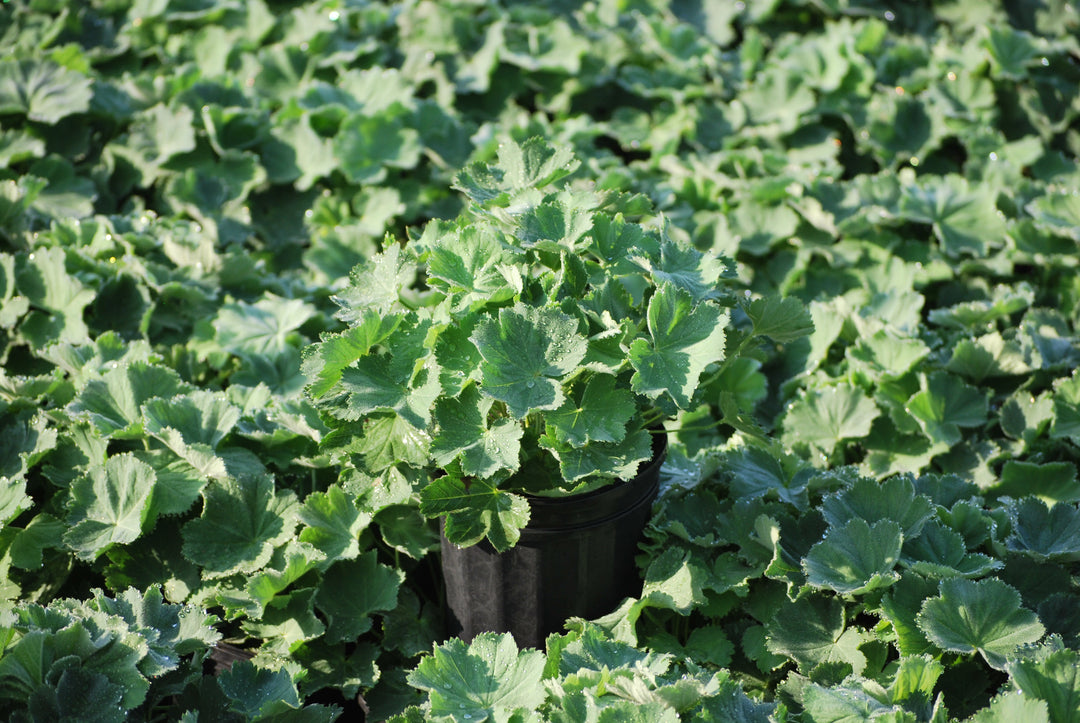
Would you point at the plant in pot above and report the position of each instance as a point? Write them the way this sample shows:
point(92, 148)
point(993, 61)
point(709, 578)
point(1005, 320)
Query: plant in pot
point(515, 366)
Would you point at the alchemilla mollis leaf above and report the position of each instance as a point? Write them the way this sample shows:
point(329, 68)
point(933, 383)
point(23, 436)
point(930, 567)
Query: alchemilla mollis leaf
point(982, 616)
point(684, 339)
point(856, 558)
point(464, 433)
point(242, 521)
point(527, 352)
point(486, 679)
point(110, 505)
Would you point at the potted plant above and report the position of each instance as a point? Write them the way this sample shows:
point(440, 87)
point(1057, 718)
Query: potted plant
point(523, 358)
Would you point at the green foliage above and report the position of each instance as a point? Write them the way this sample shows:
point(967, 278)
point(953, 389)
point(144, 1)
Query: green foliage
point(832, 244)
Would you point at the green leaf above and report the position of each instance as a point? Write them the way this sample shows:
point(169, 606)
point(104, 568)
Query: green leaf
point(619, 459)
point(685, 267)
point(470, 262)
point(782, 320)
point(1011, 707)
point(1011, 50)
point(42, 90)
point(242, 521)
point(812, 631)
point(254, 691)
point(1067, 409)
point(366, 145)
point(171, 630)
point(1050, 482)
point(824, 417)
point(1058, 213)
point(535, 163)
point(527, 352)
point(915, 679)
point(945, 405)
point(939, 551)
point(901, 605)
point(984, 617)
point(464, 433)
point(351, 591)
point(487, 679)
point(17, 146)
point(388, 440)
point(1026, 417)
point(599, 413)
point(288, 564)
point(894, 499)
point(474, 509)
point(67, 195)
point(377, 285)
point(156, 135)
point(403, 380)
point(855, 558)
point(1045, 533)
point(197, 419)
point(965, 219)
point(58, 299)
point(324, 362)
point(887, 353)
point(987, 356)
point(332, 523)
point(974, 316)
point(684, 338)
point(1052, 676)
point(845, 704)
point(113, 403)
point(110, 505)
point(264, 327)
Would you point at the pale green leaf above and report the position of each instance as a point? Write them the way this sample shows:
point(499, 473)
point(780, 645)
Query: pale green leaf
point(1050, 482)
point(475, 509)
point(464, 432)
point(324, 362)
point(855, 558)
point(984, 617)
point(965, 219)
point(1045, 533)
point(1051, 676)
point(1012, 707)
point(527, 352)
point(265, 327)
point(684, 338)
point(894, 499)
point(598, 413)
point(113, 403)
point(824, 417)
point(782, 320)
point(945, 405)
point(109, 505)
point(488, 678)
point(606, 459)
point(333, 523)
point(42, 90)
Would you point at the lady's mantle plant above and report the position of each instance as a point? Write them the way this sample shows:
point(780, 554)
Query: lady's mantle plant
point(531, 346)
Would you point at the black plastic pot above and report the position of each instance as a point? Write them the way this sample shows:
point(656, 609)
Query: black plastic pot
point(574, 558)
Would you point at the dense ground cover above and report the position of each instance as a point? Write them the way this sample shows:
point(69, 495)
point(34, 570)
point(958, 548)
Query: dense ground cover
point(878, 520)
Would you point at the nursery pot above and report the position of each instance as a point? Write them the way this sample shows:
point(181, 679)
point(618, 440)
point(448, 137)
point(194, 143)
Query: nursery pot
point(574, 558)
